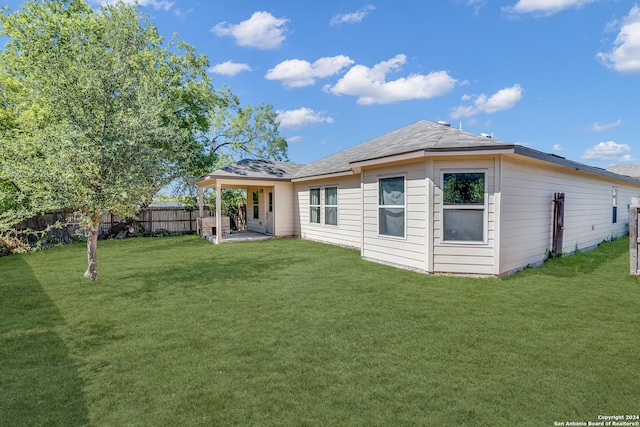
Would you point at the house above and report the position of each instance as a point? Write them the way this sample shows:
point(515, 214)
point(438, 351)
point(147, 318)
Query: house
point(436, 199)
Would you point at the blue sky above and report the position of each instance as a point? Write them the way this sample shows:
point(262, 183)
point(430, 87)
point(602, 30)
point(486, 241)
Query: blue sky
point(559, 76)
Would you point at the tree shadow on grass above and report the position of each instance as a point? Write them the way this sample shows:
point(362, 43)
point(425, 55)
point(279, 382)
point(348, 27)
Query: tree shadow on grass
point(40, 383)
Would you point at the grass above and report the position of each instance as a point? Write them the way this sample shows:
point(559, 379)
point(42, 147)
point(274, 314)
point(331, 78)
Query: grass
point(296, 333)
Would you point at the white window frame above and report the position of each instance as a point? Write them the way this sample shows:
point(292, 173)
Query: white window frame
point(403, 206)
point(326, 205)
point(614, 210)
point(255, 203)
point(314, 206)
point(484, 207)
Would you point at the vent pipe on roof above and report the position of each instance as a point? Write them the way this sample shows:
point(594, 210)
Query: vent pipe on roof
point(443, 123)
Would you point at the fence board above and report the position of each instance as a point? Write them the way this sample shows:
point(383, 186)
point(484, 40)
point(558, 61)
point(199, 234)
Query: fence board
point(172, 220)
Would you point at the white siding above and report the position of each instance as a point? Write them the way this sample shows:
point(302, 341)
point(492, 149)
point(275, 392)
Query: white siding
point(527, 210)
point(518, 213)
point(410, 251)
point(465, 258)
point(284, 207)
point(348, 232)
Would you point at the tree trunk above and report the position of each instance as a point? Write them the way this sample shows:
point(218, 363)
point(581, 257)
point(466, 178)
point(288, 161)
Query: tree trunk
point(92, 248)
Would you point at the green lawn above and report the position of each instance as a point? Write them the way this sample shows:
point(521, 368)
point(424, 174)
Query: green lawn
point(179, 332)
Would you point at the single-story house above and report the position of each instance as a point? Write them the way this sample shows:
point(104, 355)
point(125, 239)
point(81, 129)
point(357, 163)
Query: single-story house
point(436, 199)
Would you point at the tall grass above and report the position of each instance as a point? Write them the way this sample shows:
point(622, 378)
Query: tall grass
point(291, 332)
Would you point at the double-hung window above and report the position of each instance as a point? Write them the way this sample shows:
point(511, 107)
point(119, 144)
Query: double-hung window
point(314, 205)
point(615, 205)
point(464, 207)
point(391, 206)
point(331, 205)
point(256, 205)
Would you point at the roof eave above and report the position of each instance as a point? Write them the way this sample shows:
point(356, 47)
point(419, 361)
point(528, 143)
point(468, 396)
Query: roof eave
point(323, 176)
point(357, 166)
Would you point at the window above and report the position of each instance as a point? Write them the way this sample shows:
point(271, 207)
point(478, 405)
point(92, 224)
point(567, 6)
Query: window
point(314, 205)
point(615, 204)
point(256, 202)
point(270, 201)
point(463, 206)
point(331, 205)
point(391, 206)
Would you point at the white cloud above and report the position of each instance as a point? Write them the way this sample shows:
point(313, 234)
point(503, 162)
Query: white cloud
point(300, 73)
point(547, 7)
point(607, 151)
point(557, 147)
point(301, 117)
point(156, 4)
point(477, 5)
point(353, 17)
point(229, 68)
point(371, 87)
point(597, 127)
point(502, 100)
point(262, 31)
point(628, 158)
point(625, 54)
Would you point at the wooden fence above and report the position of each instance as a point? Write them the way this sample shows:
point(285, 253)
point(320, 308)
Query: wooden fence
point(151, 220)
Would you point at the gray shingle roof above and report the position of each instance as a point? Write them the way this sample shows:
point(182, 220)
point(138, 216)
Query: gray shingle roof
point(421, 135)
point(628, 170)
point(258, 169)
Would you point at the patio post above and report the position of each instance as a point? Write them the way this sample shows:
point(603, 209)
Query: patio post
point(218, 213)
point(200, 201)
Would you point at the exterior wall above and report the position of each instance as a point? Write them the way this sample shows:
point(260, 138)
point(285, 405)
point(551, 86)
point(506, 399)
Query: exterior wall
point(518, 220)
point(527, 210)
point(408, 251)
point(284, 207)
point(257, 224)
point(463, 257)
point(348, 231)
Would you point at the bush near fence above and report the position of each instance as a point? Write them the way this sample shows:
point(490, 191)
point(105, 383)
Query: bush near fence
point(150, 220)
point(54, 228)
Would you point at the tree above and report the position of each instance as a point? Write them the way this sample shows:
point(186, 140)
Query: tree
point(237, 132)
point(96, 113)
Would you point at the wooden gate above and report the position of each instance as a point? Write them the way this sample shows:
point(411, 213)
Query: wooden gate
point(558, 223)
point(634, 241)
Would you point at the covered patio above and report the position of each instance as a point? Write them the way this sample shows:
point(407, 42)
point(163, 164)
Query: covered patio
point(269, 199)
point(241, 236)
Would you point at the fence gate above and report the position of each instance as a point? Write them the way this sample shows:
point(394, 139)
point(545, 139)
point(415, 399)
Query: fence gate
point(558, 222)
point(634, 241)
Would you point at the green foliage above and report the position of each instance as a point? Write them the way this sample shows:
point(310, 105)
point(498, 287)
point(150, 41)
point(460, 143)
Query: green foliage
point(236, 132)
point(464, 188)
point(97, 113)
point(239, 132)
point(103, 113)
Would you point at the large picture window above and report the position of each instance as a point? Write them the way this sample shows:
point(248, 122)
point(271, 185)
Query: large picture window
point(314, 205)
point(463, 206)
point(391, 206)
point(331, 205)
